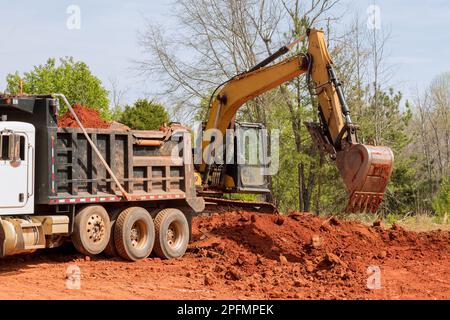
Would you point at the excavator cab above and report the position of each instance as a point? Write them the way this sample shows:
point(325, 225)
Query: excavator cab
point(247, 161)
point(251, 160)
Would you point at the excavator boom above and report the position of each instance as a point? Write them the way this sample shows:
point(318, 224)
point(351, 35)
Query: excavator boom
point(247, 86)
point(364, 169)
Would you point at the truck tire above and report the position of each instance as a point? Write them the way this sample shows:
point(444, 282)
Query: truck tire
point(134, 234)
point(91, 231)
point(110, 250)
point(172, 234)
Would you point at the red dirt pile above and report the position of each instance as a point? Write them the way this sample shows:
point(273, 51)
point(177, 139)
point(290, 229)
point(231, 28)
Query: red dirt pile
point(304, 256)
point(90, 118)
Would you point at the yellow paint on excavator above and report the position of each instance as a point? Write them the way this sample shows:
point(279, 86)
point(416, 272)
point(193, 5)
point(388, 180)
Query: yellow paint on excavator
point(365, 169)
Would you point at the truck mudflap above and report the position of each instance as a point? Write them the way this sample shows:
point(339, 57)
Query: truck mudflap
point(196, 203)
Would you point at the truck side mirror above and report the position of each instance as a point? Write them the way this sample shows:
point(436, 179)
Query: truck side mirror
point(14, 150)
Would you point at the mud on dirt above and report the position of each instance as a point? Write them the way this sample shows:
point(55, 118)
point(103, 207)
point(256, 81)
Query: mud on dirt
point(245, 255)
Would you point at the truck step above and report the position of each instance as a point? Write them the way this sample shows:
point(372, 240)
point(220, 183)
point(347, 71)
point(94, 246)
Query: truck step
point(36, 247)
point(30, 225)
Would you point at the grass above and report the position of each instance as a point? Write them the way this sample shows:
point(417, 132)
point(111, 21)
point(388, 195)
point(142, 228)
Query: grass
point(421, 222)
point(424, 222)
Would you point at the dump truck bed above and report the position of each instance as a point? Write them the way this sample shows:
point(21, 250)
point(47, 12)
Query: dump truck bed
point(69, 172)
point(146, 172)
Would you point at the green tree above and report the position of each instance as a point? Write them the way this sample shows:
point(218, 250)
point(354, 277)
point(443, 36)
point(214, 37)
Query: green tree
point(72, 78)
point(441, 202)
point(144, 115)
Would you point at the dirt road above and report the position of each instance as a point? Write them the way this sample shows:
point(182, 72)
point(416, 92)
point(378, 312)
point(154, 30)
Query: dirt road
point(251, 256)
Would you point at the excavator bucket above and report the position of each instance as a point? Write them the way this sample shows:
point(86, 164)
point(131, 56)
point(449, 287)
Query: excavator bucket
point(366, 171)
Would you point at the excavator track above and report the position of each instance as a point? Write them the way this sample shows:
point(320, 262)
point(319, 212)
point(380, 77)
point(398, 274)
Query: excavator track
point(220, 205)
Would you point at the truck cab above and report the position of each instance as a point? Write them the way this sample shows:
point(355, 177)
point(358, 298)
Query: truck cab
point(17, 145)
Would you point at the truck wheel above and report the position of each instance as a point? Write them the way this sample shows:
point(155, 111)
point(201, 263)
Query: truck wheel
point(172, 234)
point(91, 231)
point(134, 234)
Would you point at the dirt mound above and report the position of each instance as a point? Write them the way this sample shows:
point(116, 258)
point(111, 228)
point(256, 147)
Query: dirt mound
point(90, 118)
point(303, 256)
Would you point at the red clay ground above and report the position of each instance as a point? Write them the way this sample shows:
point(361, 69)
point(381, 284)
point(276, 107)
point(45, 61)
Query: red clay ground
point(252, 256)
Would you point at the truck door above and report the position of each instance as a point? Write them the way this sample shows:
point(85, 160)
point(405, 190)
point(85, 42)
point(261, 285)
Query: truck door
point(14, 172)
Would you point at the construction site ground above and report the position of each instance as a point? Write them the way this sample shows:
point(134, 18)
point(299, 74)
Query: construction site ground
point(244, 255)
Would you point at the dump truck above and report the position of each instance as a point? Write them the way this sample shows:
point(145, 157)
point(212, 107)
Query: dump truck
point(130, 193)
point(53, 184)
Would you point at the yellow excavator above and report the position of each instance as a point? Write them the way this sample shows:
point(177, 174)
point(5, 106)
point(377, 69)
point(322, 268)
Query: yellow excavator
point(365, 169)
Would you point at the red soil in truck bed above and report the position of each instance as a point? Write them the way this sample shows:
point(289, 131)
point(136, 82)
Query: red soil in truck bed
point(245, 255)
point(90, 118)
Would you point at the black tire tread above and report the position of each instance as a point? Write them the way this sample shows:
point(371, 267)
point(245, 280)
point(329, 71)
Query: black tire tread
point(158, 221)
point(76, 240)
point(118, 230)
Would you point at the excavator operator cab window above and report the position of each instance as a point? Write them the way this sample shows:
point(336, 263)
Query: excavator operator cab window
point(251, 150)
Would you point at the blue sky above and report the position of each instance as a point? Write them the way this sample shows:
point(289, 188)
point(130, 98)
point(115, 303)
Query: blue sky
point(33, 31)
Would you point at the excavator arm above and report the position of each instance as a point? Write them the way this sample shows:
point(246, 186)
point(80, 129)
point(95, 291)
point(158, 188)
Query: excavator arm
point(365, 169)
point(246, 86)
point(250, 85)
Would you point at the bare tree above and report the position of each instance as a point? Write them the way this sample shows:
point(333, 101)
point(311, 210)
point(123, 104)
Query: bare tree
point(429, 135)
point(380, 76)
point(117, 94)
point(299, 97)
point(439, 120)
point(214, 41)
point(433, 121)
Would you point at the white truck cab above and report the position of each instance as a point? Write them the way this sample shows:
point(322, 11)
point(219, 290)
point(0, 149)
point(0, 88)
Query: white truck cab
point(17, 145)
